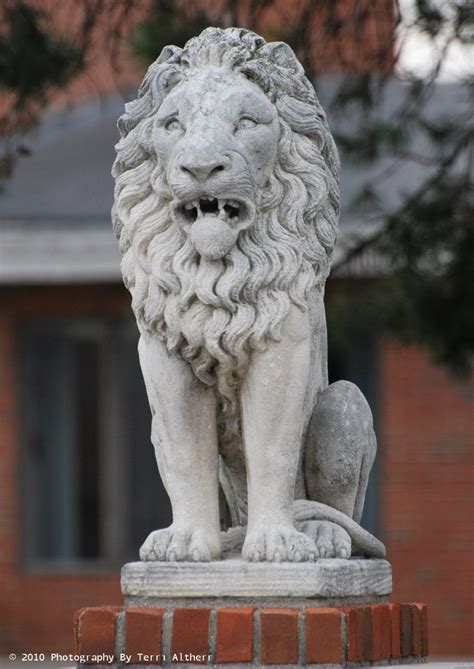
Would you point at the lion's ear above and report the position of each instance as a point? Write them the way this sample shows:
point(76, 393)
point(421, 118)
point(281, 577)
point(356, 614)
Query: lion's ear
point(283, 55)
point(170, 54)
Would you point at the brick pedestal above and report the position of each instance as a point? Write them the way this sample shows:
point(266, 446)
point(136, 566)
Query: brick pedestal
point(252, 636)
point(233, 613)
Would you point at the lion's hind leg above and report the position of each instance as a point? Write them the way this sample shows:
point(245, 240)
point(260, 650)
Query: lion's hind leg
point(339, 454)
point(331, 540)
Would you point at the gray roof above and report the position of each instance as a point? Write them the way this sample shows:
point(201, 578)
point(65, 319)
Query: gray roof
point(67, 174)
point(55, 210)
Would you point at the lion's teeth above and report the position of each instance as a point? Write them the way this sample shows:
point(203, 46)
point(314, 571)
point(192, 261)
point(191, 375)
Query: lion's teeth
point(220, 204)
point(189, 205)
point(233, 203)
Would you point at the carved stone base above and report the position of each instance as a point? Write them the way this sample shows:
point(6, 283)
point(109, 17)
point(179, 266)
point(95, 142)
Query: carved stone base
point(232, 613)
point(332, 581)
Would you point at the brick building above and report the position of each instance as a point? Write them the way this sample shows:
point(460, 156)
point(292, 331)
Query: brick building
point(79, 489)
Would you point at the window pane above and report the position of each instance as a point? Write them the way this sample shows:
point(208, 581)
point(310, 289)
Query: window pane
point(148, 504)
point(87, 454)
point(60, 442)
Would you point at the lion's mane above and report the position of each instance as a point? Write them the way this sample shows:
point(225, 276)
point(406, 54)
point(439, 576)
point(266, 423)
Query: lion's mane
point(213, 313)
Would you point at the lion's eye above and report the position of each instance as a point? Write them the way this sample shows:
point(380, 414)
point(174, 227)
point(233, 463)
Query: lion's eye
point(172, 124)
point(246, 123)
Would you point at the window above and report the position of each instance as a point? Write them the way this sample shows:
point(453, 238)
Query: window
point(90, 487)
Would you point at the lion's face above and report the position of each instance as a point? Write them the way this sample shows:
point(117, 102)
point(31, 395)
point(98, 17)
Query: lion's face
point(216, 137)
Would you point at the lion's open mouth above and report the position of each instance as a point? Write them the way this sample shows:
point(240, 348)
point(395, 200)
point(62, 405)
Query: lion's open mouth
point(231, 211)
point(213, 223)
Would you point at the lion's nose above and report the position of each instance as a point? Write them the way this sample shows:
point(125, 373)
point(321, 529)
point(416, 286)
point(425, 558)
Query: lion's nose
point(202, 170)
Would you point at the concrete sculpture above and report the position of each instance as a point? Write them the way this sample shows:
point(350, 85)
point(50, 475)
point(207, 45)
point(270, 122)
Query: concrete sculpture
point(226, 208)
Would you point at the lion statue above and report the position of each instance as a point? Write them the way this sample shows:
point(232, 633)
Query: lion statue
point(226, 209)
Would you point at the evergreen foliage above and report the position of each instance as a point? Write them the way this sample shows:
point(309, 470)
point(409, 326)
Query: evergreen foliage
point(167, 23)
point(31, 58)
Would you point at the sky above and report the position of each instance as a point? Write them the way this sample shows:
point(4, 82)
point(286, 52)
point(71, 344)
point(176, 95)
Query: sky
point(418, 52)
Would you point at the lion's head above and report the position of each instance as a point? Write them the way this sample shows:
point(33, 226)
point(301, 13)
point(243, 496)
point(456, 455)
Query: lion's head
point(226, 199)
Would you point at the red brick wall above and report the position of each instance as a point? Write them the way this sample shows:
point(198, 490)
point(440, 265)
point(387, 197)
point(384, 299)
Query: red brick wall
point(36, 609)
point(426, 432)
point(345, 36)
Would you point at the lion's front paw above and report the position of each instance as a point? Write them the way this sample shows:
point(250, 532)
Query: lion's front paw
point(278, 543)
point(331, 540)
point(176, 543)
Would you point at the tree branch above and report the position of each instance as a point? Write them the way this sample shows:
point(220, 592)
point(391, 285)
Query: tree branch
point(393, 219)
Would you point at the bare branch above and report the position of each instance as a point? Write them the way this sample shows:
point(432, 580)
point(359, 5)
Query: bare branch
point(464, 141)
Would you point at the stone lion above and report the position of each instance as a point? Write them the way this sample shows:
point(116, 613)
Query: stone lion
point(226, 208)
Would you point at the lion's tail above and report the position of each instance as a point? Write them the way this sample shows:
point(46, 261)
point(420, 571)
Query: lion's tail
point(363, 542)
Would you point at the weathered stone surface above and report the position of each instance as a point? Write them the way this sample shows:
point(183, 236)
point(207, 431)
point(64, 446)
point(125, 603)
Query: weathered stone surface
point(236, 578)
point(226, 208)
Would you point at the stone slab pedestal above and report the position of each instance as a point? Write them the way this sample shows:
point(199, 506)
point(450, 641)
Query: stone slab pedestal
point(331, 581)
point(236, 614)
